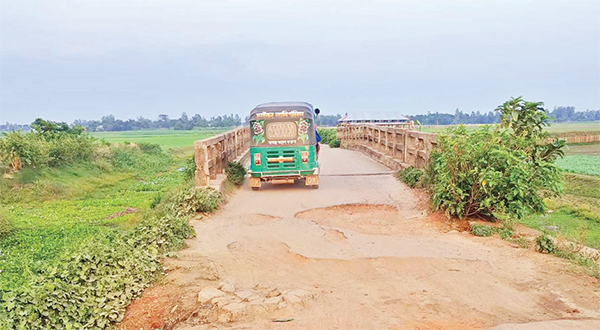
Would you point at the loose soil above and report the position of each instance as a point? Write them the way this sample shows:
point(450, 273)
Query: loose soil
point(371, 258)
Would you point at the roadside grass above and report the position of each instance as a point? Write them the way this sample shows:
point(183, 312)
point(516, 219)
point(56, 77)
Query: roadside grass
point(53, 212)
point(576, 213)
point(167, 138)
point(51, 223)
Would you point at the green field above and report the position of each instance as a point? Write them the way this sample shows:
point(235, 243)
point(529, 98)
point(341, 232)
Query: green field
point(576, 212)
point(54, 211)
point(582, 164)
point(165, 137)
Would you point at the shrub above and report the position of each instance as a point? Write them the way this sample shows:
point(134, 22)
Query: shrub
point(508, 170)
point(505, 233)
point(187, 201)
point(68, 149)
point(54, 148)
point(18, 149)
point(492, 172)
point(150, 148)
point(481, 230)
point(189, 169)
point(329, 137)
point(410, 175)
point(545, 244)
point(235, 172)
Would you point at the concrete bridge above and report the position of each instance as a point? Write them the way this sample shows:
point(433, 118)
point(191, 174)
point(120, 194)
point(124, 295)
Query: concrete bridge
point(361, 252)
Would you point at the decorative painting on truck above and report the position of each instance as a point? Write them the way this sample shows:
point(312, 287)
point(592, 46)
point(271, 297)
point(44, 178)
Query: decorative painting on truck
point(281, 132)
point(258, 132)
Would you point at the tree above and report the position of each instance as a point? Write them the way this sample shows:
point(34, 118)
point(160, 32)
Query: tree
point(523, 117)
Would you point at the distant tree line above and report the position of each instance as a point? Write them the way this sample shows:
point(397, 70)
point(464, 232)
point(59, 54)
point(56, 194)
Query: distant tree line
point(458, 117)
point(564, 114)
point(560, 115)
point(110, 123)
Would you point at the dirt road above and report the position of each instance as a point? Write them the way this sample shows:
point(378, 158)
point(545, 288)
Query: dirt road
point(358, 253)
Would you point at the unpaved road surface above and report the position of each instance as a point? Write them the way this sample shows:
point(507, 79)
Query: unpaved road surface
point(364, 255)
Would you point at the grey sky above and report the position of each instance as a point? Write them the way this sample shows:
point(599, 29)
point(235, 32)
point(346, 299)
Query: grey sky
point(65, 60)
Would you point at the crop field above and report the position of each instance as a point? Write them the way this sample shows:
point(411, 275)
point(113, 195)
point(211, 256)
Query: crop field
point(165, 137)
point(582, 164)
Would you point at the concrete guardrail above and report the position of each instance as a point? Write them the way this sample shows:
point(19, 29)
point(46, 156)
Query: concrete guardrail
point(396, 148)
point(212, 154)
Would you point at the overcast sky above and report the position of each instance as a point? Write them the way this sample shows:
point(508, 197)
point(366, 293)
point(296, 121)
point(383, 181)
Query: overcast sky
point(66, 60)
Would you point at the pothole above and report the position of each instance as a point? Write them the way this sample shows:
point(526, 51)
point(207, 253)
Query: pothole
point(381, 219)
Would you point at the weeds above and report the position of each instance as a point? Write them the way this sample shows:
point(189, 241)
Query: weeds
point(236, 172)
point(150, 148)
point(189, 168)
point(410, 175)
point(481, 230)
point(545, 244)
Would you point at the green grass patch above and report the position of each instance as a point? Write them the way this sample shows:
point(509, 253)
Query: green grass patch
point(570, 226)
point(51, 217)
point(576, 213)
point(582, 164)
point(167, 138)
point(51, 212)
point(481, 230)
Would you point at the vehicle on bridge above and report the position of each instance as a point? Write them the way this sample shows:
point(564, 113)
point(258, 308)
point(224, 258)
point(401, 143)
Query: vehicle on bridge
point(284, 145)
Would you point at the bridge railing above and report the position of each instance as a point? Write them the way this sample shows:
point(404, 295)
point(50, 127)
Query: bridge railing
point(212, 154)
point(395, 147)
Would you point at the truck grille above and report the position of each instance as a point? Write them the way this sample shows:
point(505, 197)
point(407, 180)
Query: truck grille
point(281, 159)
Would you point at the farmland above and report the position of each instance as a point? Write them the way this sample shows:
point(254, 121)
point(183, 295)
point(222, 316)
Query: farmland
point(582, 164)
point(166, 138)
point(576, 213)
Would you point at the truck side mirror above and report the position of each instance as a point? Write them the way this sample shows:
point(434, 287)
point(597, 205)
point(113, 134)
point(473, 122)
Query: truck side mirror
point(317, 111)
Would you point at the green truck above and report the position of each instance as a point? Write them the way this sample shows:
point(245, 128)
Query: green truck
point(284, 145)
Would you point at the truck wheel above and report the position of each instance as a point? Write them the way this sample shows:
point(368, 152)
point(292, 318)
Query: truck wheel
point(254, 188)
point(315, 187)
